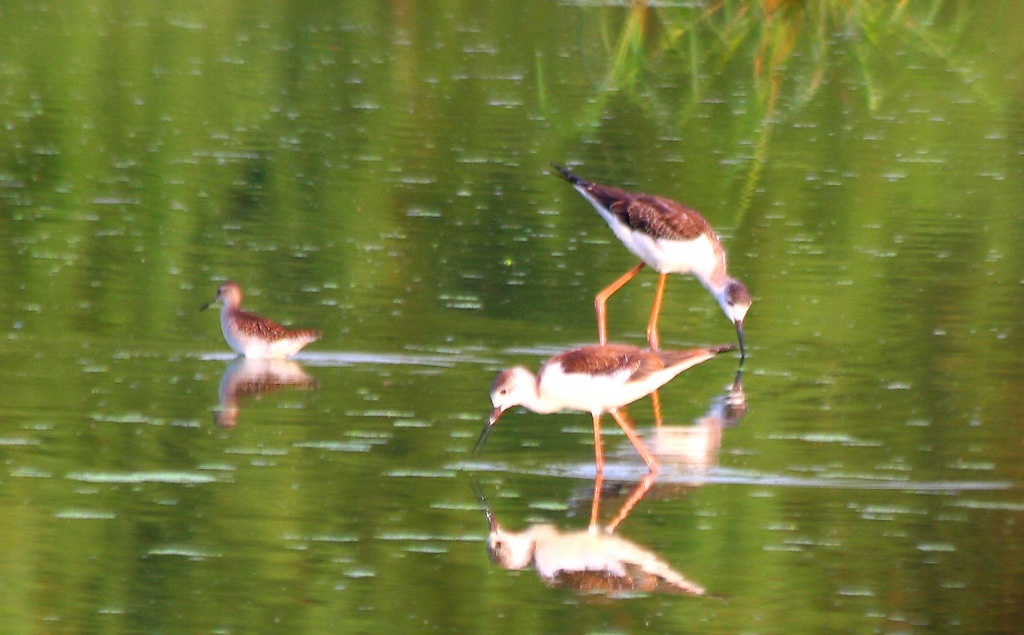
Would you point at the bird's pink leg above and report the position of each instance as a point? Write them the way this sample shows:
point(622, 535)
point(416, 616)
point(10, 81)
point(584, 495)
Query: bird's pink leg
point(652, 324)
point(602, 298)
point(653, 342)
point(634, 438)
point(599, 477)
point(656, 403)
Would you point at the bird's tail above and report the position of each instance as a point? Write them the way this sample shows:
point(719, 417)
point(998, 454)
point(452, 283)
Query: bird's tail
point(689, 358)
point(721, 348)
point(307, 334)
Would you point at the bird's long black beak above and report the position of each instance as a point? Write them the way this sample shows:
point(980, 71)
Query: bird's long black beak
point(207, 305)
point(493, 419)
point(739, 334)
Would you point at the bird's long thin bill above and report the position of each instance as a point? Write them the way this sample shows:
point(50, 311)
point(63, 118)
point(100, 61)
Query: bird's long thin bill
point(739, 334)
point(493, 419)
point(483, 438)
point(205, 306)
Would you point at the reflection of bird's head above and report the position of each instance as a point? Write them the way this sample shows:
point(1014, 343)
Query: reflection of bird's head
point(735, 401)
point(506, 549)
point(514, 550)
point(226, 416)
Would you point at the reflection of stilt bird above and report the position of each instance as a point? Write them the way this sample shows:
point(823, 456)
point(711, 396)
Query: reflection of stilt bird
point(592, 561)
point(670, 238)
point(252, 377)
point(594, 379)
point(696, 446)
point(252, 335)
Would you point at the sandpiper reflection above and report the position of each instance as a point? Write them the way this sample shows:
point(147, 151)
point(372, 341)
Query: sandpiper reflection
point(593, 560)
point(246, 377)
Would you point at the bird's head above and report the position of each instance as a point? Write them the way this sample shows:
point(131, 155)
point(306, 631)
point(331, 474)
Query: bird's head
point(512, 387)
point(735, 301)
point(228, 294)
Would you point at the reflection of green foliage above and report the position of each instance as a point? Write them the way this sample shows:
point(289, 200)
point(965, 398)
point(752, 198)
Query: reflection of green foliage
point(778, 39)
point(787, 48)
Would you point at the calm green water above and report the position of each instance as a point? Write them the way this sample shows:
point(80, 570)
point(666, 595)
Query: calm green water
point(380, 170)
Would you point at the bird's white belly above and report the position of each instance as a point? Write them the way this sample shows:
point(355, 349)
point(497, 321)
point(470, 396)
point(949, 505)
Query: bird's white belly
point(257, 348)
point(233, 339)
point(695, 256)
point(590, 393)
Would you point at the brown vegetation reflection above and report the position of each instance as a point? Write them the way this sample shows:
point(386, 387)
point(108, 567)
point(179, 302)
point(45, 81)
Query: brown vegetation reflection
point(246, 378)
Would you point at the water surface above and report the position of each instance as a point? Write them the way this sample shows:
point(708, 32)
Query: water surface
point(381, 171)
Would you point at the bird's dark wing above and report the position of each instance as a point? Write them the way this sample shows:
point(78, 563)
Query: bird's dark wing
point(601, 360)
point(655, 215)
point(267, 329)
point(661, 217)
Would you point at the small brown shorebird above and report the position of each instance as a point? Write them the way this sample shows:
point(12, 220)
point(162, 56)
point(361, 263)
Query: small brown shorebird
point(594, 379)
point(670, 238)
point(254, 336)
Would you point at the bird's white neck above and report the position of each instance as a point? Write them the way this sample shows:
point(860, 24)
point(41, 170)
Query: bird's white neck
point(534, 401)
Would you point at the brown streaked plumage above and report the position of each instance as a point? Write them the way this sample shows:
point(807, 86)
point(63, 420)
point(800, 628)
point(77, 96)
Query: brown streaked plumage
point(613, 358)
point(670, 238)
point(654, 215)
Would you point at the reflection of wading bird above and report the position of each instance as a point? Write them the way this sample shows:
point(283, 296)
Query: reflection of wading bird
point(254, 336)
point(594, 562)
point(695, 447)
point(253, 377)
point(590, 560)
point(594, 379)
point(671, 238)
